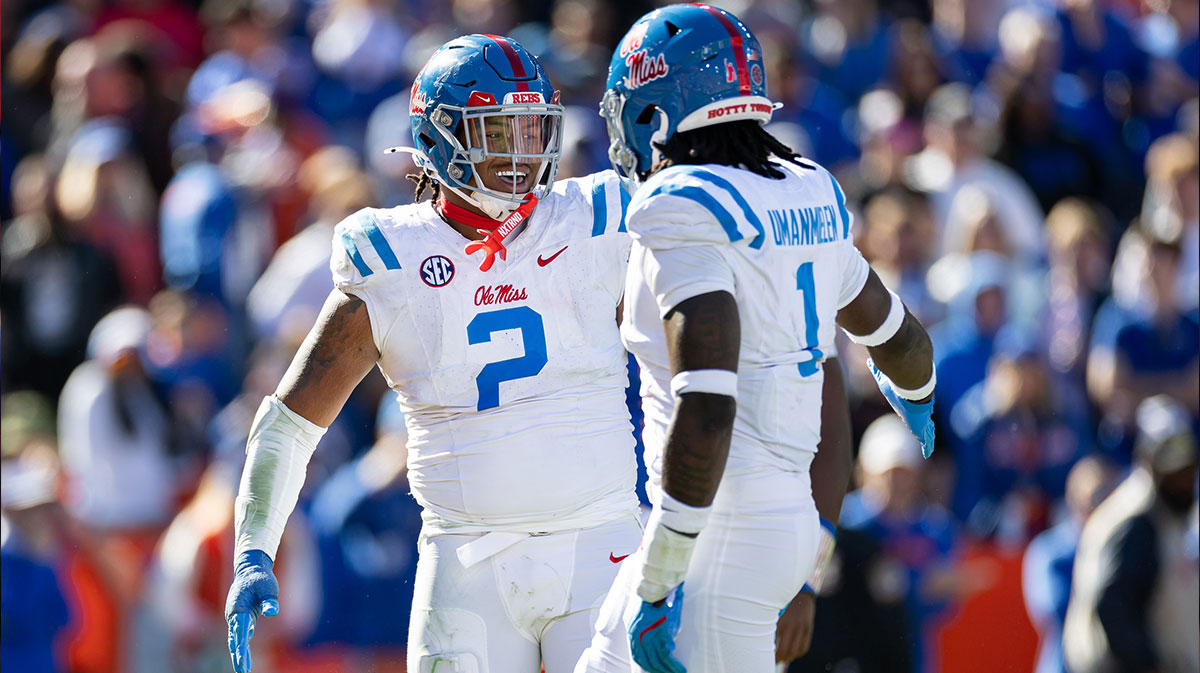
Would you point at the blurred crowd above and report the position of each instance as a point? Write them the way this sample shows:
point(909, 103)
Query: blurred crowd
point(1023, 173)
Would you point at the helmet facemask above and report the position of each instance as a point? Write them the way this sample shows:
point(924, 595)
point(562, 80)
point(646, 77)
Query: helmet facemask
point(623, 151)
point(528, 138)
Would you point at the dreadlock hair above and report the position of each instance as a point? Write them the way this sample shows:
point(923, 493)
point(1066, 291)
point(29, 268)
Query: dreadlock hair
point(741, 143)
point(424, 181)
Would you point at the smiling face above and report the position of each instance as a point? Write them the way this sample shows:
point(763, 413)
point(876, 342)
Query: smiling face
point(510, 143)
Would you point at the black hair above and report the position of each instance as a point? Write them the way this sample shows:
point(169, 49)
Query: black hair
point(742, 143)
point(424, 181)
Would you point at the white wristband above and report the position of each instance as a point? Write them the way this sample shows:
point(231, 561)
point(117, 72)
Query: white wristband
point(918, 393)
point(670, 538)
point(281, 443)
point(716, 381)
point(891, 324)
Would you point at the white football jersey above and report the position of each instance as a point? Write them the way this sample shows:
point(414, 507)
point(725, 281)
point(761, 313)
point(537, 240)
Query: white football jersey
point(783, 249)
point(513, 380)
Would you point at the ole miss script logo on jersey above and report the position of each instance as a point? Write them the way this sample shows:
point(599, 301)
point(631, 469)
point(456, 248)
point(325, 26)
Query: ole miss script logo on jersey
point(436, 271)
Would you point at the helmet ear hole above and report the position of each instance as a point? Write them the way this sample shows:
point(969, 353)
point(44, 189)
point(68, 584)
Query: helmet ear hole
point(672, 29)
point(427, 141)
point(646, 115)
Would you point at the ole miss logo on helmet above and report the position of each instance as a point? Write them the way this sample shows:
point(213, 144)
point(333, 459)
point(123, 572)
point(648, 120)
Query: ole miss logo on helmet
point(633, 39)
point(437, 271)
point(643, 68)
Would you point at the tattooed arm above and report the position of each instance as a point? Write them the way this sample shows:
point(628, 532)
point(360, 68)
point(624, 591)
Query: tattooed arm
point(335, 356)
point(703, 333)
point(703, 336)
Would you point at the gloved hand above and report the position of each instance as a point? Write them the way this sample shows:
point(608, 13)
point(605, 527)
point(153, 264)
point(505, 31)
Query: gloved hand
point(652, 634)
point(254, 591)
point(917, 416)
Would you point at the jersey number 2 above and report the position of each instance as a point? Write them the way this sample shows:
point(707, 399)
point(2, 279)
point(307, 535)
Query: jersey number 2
point(808, 291)
point(533, 336)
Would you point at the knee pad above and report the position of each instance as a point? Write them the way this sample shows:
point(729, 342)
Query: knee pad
point(448, 640)
point(461, 662)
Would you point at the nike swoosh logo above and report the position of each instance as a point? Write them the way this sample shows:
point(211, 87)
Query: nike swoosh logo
point(543, 261)
point(616, 559)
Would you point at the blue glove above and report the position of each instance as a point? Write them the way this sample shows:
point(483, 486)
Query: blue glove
point(652, 634)
point(918, 417)
point(254, 591)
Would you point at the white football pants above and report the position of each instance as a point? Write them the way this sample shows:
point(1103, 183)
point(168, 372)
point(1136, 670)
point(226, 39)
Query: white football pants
point(511, 602)
point(750, 561)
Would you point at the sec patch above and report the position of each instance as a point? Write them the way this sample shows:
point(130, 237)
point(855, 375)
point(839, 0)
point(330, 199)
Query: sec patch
point(437, 271)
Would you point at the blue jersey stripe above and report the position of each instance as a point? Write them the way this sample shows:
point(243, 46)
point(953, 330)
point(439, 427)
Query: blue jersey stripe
point(747, 212)
point(699, 195)
point(841, 203)
point(352, 251)
point(599, 207)
point(624, 208)
point(382, 248)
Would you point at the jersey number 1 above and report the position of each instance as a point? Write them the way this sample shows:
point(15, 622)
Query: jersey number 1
point(808, 291)
point(533, 336)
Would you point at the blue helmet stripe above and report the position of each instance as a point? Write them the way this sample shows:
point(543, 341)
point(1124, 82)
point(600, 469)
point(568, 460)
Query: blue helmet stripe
point(705, 199)
point(599, 206)
point(747, 211)
point(382, 248)
point(352, 251)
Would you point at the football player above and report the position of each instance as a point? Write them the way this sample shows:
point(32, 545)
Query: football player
point(742, 263)
point(492, 311)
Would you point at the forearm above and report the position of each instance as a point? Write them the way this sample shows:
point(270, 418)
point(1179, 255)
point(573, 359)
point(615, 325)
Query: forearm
point(280, 445)
point(906, 358)
point(896, 341)
point(832, 466)
point(693, 462)
point(697, 447)
point(703, 337)
point(334, 357)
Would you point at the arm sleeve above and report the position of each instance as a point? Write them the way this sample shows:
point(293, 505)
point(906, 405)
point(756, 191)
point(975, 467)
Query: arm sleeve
point(1128, 573)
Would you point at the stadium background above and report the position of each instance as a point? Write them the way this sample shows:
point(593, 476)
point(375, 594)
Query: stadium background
point(1024, 173)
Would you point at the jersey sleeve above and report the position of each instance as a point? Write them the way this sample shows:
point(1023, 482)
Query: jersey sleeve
point(361, 256)
point(360, 252)
point(855, 272)
point(610, 203)
point(691, 205)
point(676, 274)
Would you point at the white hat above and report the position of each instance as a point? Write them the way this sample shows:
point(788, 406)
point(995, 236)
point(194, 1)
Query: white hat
point(888, 444)
point(126, 328)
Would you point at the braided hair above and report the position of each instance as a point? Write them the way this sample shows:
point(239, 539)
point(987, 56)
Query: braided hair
point(742, 143)
point(424, 181)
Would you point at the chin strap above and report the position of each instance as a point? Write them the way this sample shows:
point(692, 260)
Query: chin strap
point(495, 238)
point(457, 213)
